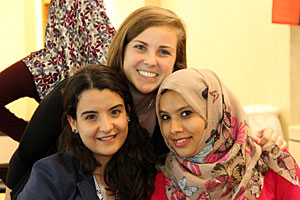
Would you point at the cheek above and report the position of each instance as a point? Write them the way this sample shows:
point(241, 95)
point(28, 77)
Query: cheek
point(131, 58)
point(197, 128)
point(88, 131)
point(126, 60)
point(122, 125)
point(168, 66)
point(165, 130)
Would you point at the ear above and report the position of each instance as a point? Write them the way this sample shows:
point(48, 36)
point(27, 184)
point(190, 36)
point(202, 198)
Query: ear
point(72, 122)
point(127, 113)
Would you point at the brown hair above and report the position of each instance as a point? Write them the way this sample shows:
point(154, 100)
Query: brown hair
point(136, 23)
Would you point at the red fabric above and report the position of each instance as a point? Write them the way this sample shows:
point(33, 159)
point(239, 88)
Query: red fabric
point(275, 187)
point(286, 12)
point(160, 191)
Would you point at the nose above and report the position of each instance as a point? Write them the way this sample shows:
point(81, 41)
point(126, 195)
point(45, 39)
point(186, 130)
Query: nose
point(176, 127)
point(105, 125)
point(150, 59)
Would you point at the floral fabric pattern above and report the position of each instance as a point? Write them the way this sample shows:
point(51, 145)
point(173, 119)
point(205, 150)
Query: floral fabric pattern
point(78, 32)
point(228, 164)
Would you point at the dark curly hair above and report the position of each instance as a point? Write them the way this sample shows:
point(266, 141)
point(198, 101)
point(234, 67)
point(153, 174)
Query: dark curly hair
point(130, 172)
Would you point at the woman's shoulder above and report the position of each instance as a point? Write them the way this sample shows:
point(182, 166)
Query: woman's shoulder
point(57, 177)
point(58, 163)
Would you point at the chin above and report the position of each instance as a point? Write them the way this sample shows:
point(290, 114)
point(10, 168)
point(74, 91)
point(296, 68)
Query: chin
point(146, 91)
point(185, 154)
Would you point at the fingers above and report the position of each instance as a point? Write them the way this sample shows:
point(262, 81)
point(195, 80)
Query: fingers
point(270, 137)
point(260, 133)
point(256, 137)
point(281, 143)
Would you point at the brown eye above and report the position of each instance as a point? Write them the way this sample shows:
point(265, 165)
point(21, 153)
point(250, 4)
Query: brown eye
point(115, 113)
point(186, 113)
point(90, 117)
point(165, 117)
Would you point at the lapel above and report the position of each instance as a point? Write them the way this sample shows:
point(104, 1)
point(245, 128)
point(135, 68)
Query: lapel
point(85, 185)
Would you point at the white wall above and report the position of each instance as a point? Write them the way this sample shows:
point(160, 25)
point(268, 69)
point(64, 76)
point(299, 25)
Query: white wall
point(18, 39)
point(238, 41)
point(122, 8)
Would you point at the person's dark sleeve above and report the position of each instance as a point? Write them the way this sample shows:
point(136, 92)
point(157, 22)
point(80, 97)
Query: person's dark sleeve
point(45, 182)
point(16, 82)
point(158, 142)
point(39, 139)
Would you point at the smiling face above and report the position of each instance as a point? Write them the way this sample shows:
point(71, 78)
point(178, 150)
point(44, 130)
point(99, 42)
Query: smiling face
point(150, 57)
point(181, 125)
point(101, 122)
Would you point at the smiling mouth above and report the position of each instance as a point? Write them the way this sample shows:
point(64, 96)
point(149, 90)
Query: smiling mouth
point(147, 74)
point(108, 138)
point(181, 142)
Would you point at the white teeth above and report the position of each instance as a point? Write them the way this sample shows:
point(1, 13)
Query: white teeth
point(107, 138)
point(182, 140)
point(147, 74)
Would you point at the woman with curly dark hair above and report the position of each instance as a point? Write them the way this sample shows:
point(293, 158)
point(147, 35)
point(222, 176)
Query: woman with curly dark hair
point(104, 152)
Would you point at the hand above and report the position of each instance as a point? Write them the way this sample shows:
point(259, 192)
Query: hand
point(268, 137)
point(7, 193)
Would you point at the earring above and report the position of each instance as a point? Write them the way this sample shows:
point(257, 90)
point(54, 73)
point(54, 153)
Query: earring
point(128, 119)
point(74, 130)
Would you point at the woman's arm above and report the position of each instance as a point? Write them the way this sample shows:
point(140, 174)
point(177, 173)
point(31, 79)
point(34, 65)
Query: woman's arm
point(7, 193)
point(39, 139)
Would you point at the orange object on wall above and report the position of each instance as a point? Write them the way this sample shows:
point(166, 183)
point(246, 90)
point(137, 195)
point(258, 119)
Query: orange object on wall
point(286, 12)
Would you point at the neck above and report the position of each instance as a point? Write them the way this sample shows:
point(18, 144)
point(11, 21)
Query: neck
point(103, 161)
point(142, 102)
point(99, 174)
point(144, 105)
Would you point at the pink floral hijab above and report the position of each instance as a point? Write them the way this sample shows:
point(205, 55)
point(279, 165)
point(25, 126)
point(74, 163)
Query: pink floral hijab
point(228, 163)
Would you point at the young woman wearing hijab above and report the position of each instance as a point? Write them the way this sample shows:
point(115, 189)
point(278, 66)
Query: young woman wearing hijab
point(212, 154)
point(105, 153)
point(149, 45)
point(77, 33)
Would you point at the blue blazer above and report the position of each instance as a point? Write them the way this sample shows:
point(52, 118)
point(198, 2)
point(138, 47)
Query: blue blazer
point(59, 176)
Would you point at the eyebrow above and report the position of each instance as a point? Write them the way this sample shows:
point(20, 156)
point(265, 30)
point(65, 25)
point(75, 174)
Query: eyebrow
point(116, 106)
point(162, 46)
point(94, 112)
point(180, 109)
point(88, 112)
point(141, 42)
